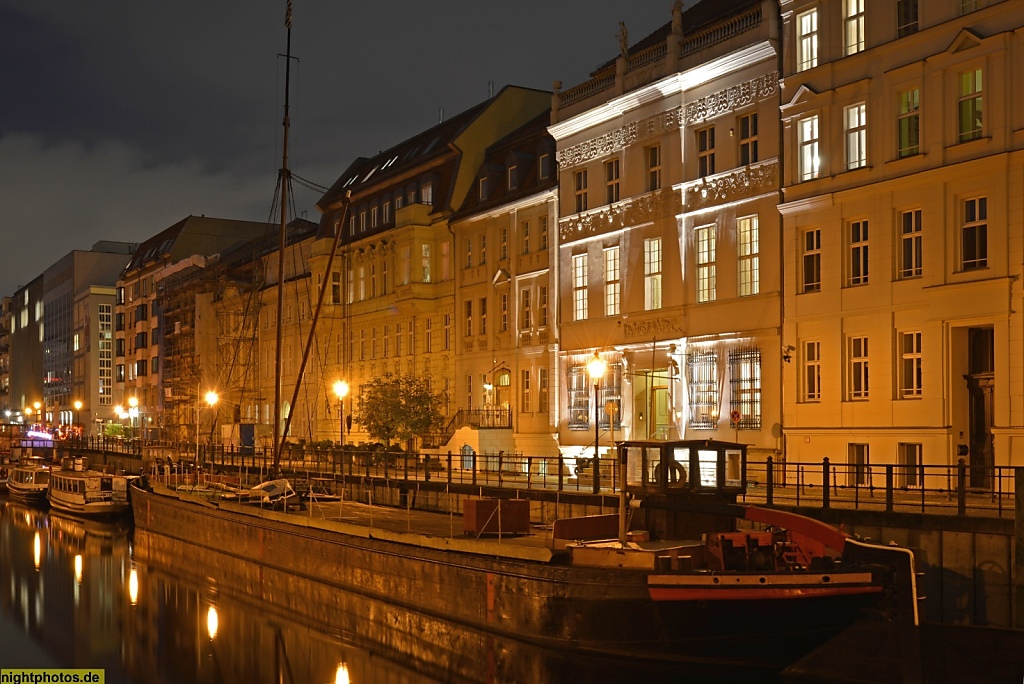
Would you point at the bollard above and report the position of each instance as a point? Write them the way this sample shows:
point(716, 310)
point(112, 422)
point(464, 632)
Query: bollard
point(961, 487)
point(769, 481)
point(825, 489)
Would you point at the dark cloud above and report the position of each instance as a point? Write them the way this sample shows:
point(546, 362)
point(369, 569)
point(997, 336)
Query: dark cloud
point(121, 117)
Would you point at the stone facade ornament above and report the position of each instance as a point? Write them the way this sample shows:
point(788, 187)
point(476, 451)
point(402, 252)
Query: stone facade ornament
point(715, 104)
point(631, 212)
point(743, 182)
point(655, 327)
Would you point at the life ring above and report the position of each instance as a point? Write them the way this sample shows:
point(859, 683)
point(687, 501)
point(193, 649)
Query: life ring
point(670, 473)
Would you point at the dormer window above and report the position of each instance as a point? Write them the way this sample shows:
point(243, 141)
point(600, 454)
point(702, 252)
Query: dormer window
point(485, 189)
point(427, 193)
point(544, 165)
point(513, 181)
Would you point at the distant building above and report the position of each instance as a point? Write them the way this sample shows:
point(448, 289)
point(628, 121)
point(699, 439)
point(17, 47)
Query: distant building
point(26, 350)
point(5, 360)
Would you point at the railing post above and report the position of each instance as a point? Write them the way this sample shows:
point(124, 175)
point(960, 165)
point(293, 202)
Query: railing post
point(449, 466)
point(501, 468)
point(888, 487)
point(769, 481)
point(405, 465)
point(529, 470)
point(1018, 588)
point(961, 487)
point(560, 476)
point(826, 483)
point(474, 467)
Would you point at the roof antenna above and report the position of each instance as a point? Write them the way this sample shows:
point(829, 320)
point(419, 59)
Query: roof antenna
point(440, 115)
point(490, 90)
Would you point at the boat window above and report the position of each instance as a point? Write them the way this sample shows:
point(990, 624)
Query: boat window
point(733, 469)
point(634, 465)
point(708, 460)
point(682, 457)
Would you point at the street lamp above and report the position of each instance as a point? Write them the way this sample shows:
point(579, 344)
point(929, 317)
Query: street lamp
point(596, 368)
point(341, 389)
point(78, 411)
point(133, 413)
point(39, 415)
point(211, 399)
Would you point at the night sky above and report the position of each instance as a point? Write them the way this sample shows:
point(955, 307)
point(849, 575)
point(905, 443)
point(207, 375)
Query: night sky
point(118, 118)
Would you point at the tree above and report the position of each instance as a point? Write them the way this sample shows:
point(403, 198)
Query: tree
point(398, 407)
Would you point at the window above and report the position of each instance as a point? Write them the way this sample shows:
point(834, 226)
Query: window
point(425, 262)
point(373, 343)
point(335, 287)
point(809, 161)
point(857, 388)
point(483, 315)
point(812, 260)
point(807, 40)
point(525, 310)
point(373, 280)
point(611, 281)
point(747, 249)
point(705, 237)
point(373, 216)
point(469, 317)
point(856, 136)
point(384, 276)
point(427, 193)
point(543, 220)
point(447, 331)
point(504, 311)
point(469, 391)
point(910, 365)
point(385, 210)
point(513, 177)
point(485, 188)
point(524, 387)
point(854, 26)
point(543, 306)
point(542, 390)
point(748, 139)
point(579, 287)
point(524, 230)
point(362, 345)
point(351, 287)
point(909, 123)
point(469, 253)
point(811, 374)
point(858, 253)
point(611, 176)
point(906, 17)
point(544, 165)
point(858, 458)
point(970, 105)
point(483, 249)
point(446, 268)
point(653, 168)
point(504, 243)
point(652, 274)
point(909, 472)
point(705, 151)
point(580, 185)
point(910, 245)
point(702, 379)
point(578, 389)
point(745, 386)
point(387, 341)
point(974, 235)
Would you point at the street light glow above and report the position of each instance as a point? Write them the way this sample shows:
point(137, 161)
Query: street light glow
point(78, 405)
point(597, 367)
point(341, 389)
point(212, 398)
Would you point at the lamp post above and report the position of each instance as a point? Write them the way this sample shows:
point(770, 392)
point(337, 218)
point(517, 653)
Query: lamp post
point(78, 411)
point(39, 415)
point(133, 413)
point(341, 389)
point(596, 368)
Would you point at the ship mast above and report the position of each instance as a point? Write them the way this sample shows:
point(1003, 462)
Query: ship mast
point(283, 179)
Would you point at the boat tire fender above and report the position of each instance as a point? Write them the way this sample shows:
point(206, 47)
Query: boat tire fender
point(670, 473)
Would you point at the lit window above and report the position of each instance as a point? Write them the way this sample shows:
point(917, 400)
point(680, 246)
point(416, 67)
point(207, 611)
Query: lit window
point(705, 238)
point(970, 105)
point(856, 136)
point(747, 251)
point(469, 317)
point(854, 26)
point(504, 243)
point(580, 186)
point(652, 274)
point(542, 390)
point(524, 404)
point(706, 151)
point(483, 317)
point(543, 232)
point(579, 287)
point(807, 40)
point(653, 167)
point(702, 380)
point(525, 310)
point(909, 123)
point(504, 311)
point(745, 386)
point(809, 160)
point(611, 281)
point(524, 230)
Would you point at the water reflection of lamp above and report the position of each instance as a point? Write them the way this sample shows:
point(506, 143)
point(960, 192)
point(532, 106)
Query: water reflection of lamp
point(341, 676)
point(78, 568)
point(133, 586)
point(212, 622)
point(37, 551)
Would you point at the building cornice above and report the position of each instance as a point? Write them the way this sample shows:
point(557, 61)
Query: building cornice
point(675, 84)
point(630, 212)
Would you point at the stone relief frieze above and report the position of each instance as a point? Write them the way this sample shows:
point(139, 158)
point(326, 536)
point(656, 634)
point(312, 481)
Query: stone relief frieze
point(723, 101)
point(726, 187)
point(655, 327)
point(642, 209)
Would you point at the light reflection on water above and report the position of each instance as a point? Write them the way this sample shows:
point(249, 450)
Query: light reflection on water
point(147, 608)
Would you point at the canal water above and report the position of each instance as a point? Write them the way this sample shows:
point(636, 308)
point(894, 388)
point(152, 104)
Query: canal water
point(77, 594)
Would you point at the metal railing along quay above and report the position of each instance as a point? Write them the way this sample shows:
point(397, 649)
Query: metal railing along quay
point(957, 489)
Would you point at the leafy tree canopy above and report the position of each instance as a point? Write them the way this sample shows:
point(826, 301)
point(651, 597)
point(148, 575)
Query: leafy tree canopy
point(398, 407)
